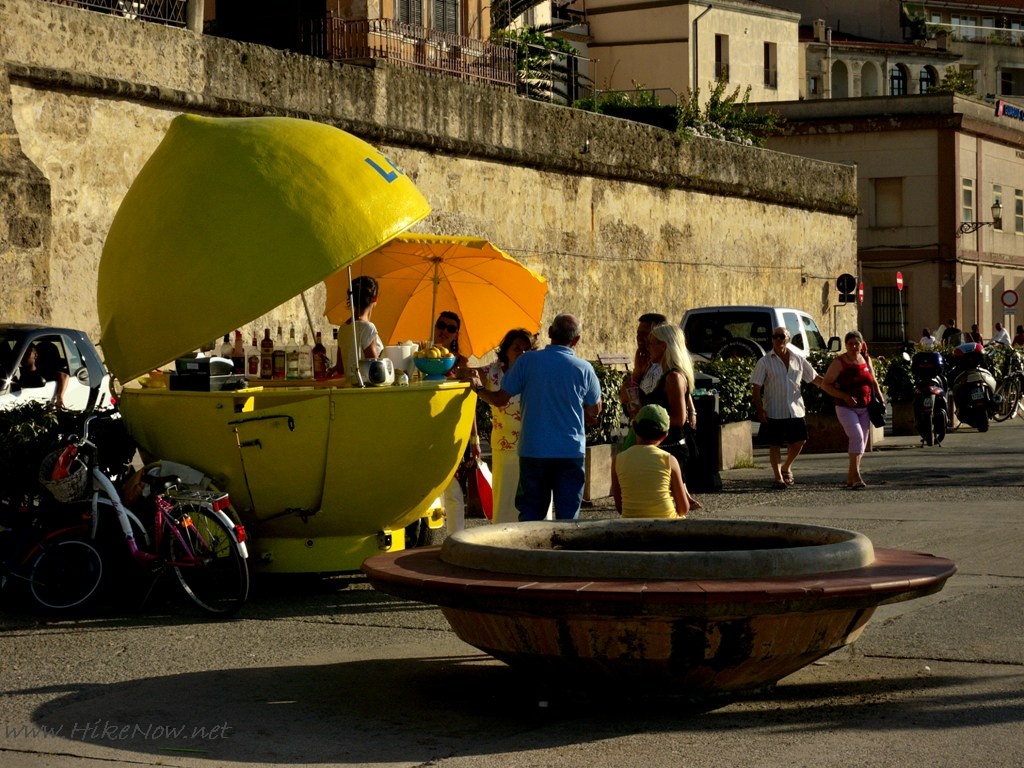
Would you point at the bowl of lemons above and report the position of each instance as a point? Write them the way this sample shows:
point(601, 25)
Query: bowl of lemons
point(434, 362)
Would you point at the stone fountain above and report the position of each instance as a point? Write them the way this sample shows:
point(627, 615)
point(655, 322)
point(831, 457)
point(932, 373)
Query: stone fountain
point(698, 606)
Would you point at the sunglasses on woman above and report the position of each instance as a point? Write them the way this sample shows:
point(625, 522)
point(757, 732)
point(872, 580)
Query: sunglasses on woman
point(441, 326)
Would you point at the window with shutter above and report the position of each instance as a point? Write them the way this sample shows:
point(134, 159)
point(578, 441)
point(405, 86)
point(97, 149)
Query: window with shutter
point(410, 11)
point(445, 15)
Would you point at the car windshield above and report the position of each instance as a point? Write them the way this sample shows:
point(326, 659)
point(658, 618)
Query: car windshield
point(10, 338)
point(707, 332)
point(815, 341)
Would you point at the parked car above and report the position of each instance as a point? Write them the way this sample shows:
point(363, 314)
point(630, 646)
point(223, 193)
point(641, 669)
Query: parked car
point(60, 353)
point(746, 331)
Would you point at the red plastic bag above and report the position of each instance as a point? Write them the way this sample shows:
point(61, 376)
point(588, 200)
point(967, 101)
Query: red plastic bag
point(483, 488)
point(63, 466)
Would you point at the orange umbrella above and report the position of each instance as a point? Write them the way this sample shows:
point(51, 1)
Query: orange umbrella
point(422, 275)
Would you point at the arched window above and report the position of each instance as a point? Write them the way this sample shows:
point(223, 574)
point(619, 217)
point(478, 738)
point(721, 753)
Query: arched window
point(898, 80)
point(870, 79)
point(929, 79)
point(840, 80)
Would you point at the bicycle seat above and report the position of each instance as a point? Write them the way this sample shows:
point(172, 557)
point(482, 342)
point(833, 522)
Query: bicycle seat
point(161, 483)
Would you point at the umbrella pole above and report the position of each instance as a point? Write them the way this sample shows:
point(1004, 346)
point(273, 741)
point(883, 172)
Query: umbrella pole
point(355, 341)
point(433, 300)
point(309, 316)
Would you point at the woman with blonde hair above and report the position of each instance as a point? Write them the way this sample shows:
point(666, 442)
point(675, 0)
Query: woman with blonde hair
point(674, 391)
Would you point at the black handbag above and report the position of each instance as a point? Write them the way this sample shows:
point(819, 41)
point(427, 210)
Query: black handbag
point(876, 411)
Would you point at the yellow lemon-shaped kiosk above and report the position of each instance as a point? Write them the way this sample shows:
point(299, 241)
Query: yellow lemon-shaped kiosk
point(227, 220)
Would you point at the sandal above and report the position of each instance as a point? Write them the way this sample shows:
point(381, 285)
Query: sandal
point(858, 485)
point(787, 478)
point(779, 485)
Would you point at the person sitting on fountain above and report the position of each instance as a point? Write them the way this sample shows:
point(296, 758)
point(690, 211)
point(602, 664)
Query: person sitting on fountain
point(647, 481)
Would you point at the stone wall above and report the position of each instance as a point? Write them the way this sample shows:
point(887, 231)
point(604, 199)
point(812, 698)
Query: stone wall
point(620, 217)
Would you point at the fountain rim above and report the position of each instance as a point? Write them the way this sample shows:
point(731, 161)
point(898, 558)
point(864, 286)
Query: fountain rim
point(528, 549)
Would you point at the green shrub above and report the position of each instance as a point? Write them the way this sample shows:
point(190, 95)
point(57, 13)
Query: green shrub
point(609, 423)
point(897, 379)
point(27, 434)
point(816, 400)
point(735, 402)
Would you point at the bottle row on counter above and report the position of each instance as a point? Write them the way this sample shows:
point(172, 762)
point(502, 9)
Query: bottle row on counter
point(270, 359)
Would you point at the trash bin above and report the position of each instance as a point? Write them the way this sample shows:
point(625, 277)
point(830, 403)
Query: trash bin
point(701, 470)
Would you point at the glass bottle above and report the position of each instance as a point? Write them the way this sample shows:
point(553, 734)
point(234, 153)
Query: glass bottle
point(335, 360)
point(225, 347)
point(280, 356)
point(305, 359)
point(267, 356)
point(291, 356)
point(320, 361)
point(252, 360)
point(238, 354)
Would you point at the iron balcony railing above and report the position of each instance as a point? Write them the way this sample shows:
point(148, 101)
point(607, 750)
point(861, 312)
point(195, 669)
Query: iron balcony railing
point(405, 44)
point(169, 12)
point(974, 34)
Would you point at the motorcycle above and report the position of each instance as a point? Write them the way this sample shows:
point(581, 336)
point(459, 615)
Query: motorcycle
point(974, 387)
point(930, 412)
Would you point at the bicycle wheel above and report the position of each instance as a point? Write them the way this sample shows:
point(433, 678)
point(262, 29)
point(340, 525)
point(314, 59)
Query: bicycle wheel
point(1009, 389)
point(65, 574)
point(206, 560)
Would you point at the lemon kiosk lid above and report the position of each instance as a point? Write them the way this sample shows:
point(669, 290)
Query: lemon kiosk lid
point(230, 218)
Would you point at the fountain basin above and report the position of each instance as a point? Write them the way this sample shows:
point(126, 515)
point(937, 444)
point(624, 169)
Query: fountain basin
point(709, 606)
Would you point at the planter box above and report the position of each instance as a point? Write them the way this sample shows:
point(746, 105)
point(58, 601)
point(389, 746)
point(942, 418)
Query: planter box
point(903, 418)
point(737, 445)
point(598, 465)
point(825, 435)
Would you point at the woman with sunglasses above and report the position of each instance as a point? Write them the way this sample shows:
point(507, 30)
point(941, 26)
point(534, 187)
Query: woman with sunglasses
point(446, 334)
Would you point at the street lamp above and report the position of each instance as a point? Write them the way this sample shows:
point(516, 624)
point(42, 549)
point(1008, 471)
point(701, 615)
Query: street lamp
point(969, 227)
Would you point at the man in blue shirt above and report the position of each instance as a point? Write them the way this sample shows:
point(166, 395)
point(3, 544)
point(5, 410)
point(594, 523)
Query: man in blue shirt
point(560, 395)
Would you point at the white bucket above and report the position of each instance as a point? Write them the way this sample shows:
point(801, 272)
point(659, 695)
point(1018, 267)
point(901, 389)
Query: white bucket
point(400, 356)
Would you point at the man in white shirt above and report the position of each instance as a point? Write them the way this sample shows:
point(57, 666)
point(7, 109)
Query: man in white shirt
point(1001, 336)
point(776, 381)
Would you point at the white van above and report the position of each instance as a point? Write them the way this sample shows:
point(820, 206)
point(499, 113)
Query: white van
point(746, 331)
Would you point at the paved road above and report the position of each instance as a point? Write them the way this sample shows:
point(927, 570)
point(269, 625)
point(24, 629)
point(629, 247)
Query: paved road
point(341, 675)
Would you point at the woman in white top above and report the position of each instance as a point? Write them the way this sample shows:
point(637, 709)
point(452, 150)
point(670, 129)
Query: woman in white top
point(362, 334)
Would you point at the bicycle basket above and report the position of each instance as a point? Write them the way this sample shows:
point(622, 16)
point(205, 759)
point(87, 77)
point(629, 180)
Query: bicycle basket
point(67, 489)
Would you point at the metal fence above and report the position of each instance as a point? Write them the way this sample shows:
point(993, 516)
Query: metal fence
point(405, 44)
point(169, 12)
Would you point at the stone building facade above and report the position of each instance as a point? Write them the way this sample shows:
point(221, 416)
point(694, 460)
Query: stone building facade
point(620, 217)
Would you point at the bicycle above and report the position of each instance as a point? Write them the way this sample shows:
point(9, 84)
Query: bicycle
point(1011, 387)
point(189, 533)
point(57, 562)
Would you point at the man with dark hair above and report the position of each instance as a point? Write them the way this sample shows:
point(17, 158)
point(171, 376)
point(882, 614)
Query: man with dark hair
point(951, 336)
point(645, 374)
point(560, 395)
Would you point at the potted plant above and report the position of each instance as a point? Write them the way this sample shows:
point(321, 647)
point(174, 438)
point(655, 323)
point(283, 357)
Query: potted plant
point(604, 436)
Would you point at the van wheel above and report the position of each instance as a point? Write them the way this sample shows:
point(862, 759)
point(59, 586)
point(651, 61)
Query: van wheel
point(739, 348)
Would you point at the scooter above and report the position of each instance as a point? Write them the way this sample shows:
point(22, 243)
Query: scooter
point(930, 413)
point(974, 387)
